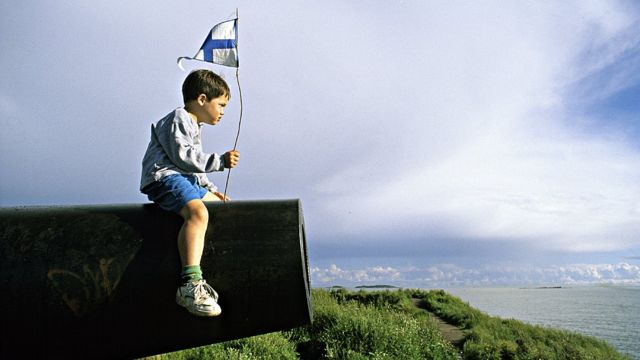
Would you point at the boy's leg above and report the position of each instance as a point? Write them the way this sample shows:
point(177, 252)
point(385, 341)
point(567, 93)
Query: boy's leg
point(195, 294)
point(181, 194)
point(191, 235)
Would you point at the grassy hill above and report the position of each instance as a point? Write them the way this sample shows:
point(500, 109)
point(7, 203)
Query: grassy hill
point(388, 325)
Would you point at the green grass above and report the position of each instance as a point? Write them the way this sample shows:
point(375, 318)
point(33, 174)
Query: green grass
point(387, 325)
point(369, 326)
point(274, 346)
point(360, 327)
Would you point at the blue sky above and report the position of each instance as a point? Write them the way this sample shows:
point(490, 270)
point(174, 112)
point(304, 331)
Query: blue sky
point(431, 143)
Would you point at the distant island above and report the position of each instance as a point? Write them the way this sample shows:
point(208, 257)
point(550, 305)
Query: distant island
point(338, 287)
point(543, 287)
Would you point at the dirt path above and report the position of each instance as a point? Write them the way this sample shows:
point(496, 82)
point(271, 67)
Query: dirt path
point(451, 333)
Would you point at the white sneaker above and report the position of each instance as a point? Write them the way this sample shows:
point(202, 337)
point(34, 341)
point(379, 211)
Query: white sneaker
point(199, 298)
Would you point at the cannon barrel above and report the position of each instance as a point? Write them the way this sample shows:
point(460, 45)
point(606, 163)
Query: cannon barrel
point(100, 281)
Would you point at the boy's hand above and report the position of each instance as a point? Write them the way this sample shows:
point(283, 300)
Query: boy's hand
point(221, 196)
point(231, 158)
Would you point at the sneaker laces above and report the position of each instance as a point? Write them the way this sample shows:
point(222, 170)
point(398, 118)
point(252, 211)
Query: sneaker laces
point(202, 291)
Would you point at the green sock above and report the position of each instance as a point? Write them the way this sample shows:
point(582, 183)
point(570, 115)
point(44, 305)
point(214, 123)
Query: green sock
point(191, 273)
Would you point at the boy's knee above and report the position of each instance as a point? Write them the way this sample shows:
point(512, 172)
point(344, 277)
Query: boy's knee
point(195, 210)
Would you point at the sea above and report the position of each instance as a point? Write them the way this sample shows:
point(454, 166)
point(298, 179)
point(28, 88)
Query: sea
point(608, 312)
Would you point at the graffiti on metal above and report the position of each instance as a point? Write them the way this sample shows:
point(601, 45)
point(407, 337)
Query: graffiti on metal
point(81, 255)
point(83, 291)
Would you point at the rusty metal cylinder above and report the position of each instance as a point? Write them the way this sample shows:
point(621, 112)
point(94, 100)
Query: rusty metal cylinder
point(100, 281)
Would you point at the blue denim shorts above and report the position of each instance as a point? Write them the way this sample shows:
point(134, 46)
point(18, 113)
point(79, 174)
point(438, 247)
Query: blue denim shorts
point(173, 192)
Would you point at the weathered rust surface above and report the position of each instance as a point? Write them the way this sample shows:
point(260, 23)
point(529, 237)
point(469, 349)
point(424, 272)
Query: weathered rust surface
point(100, 281)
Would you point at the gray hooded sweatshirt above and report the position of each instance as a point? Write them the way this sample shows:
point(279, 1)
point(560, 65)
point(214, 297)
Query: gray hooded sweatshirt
point(175, 148)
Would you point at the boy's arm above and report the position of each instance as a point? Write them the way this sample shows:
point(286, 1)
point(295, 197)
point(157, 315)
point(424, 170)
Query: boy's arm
point(229, 160)
point(178, 145)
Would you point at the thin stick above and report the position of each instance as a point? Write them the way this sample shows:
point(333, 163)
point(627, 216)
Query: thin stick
point(235, 144)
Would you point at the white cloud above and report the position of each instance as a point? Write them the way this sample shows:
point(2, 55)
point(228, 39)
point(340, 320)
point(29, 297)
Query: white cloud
point(448, 275)
point(370, 274)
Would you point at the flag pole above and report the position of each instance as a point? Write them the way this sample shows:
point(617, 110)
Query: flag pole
point(235, 144)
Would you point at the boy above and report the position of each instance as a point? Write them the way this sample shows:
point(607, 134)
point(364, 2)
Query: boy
point(173, 176)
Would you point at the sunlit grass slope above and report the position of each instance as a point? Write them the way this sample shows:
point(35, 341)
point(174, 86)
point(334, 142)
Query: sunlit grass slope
point(387, 325)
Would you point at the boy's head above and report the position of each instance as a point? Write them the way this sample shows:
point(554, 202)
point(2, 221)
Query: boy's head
point(204, 82)
point(205, 96)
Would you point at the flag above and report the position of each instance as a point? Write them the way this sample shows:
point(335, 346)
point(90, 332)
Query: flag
point(220, 47)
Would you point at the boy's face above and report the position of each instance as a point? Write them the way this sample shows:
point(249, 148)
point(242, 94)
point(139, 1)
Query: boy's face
point(211, 111)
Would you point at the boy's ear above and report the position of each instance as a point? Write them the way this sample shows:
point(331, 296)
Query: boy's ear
point(202, 98)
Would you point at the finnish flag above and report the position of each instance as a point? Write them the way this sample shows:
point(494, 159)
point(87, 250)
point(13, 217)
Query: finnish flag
point(221, 45)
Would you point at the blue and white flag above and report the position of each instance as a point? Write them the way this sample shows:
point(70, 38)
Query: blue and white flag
point(220, 47)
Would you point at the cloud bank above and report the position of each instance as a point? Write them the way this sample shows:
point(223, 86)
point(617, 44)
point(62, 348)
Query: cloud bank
point(449, 275)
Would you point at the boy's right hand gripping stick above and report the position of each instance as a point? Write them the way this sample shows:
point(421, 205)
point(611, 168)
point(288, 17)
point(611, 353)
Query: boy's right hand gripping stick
point(231, 158)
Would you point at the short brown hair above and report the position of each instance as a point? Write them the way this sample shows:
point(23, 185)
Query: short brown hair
point(206, 82)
